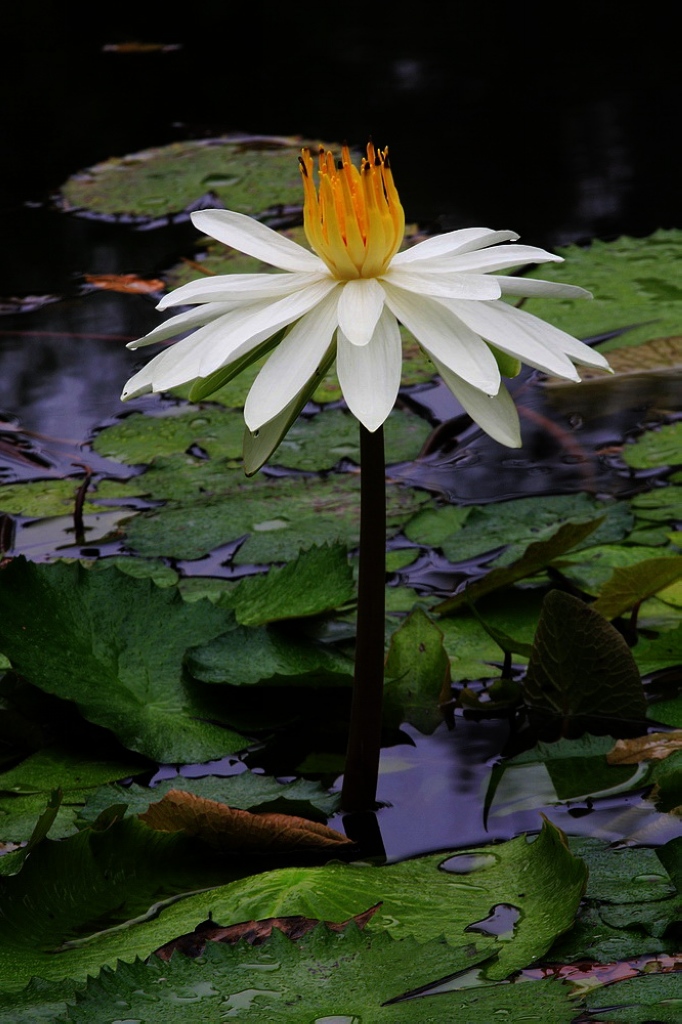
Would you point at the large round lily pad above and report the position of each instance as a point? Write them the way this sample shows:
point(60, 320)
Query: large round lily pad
point(249, 174)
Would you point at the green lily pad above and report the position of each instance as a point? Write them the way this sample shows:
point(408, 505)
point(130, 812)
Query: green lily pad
point(467, 533)
point(278, 517)
point(591, 568)
point(632, 584)
point(42, 498)
point(247, 174)
point(247, 656)
point(326, 976)
point(660, 447)
point(140, 439)
point(630, 902)
point(536, 557)
point(635, 281)
point(320, 443)
point(474, 653)
point(60, 768)
point(95, 921)
point(576, 769)
point(247, 791)
point(650, 997)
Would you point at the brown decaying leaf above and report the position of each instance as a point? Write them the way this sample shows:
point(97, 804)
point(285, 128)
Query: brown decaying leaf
point(654, 747)
point(235, 831)
point(125, 283)
point(253, 932)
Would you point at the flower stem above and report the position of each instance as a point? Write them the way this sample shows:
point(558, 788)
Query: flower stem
point(364, 737)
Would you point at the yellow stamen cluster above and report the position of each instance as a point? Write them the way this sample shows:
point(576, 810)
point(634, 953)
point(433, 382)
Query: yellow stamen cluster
point(353, 220)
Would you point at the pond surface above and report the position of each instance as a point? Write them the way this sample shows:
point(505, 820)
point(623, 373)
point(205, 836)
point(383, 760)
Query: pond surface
point(62, 365)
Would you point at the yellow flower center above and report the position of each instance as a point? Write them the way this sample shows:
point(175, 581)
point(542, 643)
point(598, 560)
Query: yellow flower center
point(354, 220)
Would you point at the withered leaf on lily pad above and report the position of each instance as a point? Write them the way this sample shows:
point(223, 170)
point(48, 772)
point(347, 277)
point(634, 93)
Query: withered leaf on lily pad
point(654, 747)
point(254, 932)
point(234, 830)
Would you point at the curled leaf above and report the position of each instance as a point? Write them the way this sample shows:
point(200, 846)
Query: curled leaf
point(235, 831)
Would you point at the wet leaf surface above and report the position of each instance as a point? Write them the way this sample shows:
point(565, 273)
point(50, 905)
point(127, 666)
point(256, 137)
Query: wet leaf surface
point(328, 976)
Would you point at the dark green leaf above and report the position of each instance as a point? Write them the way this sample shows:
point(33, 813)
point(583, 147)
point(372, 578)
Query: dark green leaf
point(417, 674)
point(318, 581)
point(114, 645)
point(581, 665)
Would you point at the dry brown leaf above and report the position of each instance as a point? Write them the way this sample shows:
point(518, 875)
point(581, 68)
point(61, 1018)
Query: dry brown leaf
point(253, 932)
point(654, 747)
point(228, 829)
point(125, 283)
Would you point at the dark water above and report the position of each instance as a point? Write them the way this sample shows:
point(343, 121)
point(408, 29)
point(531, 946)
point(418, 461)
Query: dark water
point(563, 135)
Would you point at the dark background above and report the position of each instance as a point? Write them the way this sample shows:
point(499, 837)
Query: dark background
point(559, 121)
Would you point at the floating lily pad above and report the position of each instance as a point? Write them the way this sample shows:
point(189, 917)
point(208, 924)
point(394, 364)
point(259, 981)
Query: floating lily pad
point(249, 175)
point(277, 517)
point(246, 791)
point(662, 447)
point(467, 533)
point(140, 439)
point(635, 283)
point(591, 568)
point(43, 498)
point(417, 674)
point(320, 443)
point(326, 976)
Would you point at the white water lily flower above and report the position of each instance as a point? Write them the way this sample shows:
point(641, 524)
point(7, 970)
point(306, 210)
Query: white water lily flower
point(345, 300)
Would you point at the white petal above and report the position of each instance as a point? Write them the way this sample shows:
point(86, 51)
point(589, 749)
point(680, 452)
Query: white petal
point(369, 375)
point(183, 322)
point(576, 350)
point(226, 339)
point(250, 236)
point(360, 305)
point(184, 357)
point(446, 338)
point(452, 242)
point(500, 257)
point(496, 414)
point(238, 288)
point(498, 323)
point(260, 444)
point(451, 285)
point(249, 325)
point(529, 286)
point(292, 364)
